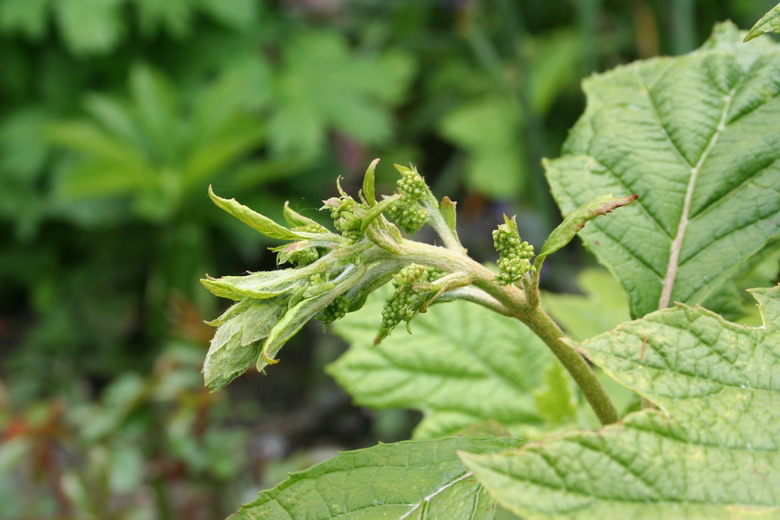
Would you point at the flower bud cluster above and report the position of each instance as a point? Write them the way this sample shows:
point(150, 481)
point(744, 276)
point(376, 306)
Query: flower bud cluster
point(407, 299)
point(515, 255)
point(345, 212)
point(335, 311)
point(299, 253)
point(407, 213)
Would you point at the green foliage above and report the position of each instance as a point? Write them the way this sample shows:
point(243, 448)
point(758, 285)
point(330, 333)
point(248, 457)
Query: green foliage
point(711, 450)
point(118, 114)
point(704, 444)
point(463, 366)
point(96, 26)
point(770, 22)
point(412, 479)
point(694, 137)
point(323, 85)
point(602, 307)
point(148, 151)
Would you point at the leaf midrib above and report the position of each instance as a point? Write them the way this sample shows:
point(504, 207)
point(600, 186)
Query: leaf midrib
point(676, 245)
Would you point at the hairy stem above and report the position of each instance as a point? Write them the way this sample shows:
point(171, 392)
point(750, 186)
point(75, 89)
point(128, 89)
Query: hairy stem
point(520, 306)
point(544, 327)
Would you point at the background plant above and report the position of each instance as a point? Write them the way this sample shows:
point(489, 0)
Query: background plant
point(99, 271)
point(662, 126)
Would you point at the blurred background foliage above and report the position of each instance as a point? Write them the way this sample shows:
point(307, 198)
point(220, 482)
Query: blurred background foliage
point(117, 115)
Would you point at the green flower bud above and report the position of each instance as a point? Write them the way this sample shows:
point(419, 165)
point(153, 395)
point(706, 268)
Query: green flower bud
point(407, 299)
point(335, 311)
point(346, 215)
point(297, 253)
point(408, 215)
point(515, 254)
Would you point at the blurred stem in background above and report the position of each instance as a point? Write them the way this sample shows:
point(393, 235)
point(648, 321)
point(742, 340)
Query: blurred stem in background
point(683, 28)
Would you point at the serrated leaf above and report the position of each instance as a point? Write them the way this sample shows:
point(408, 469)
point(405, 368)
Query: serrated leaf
point(411, 480)
point(255, 220)
point(712, 451)
point(770, 22)
point(462, 365)
point(576, 220)
point(260, 285)
point(302, 312)
point(695, 136)
point(235, 346)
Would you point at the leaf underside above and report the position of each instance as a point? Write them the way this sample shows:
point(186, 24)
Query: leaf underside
point(411, 480)
point(712, 451)
point(462, 365)
point(696, 137)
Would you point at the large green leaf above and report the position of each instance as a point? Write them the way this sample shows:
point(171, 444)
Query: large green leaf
point(711, 451)
point(411, 480)
point(462, 365)
point(770, 22)
point(696, 137)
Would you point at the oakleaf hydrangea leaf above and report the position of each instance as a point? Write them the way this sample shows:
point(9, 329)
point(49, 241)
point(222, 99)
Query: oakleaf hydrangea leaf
point(711, 450)
point(411, 480)
point(770, 22)
point(696, 137)
point(462, 365)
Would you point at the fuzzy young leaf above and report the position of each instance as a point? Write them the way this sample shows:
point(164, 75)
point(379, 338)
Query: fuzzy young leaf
point(304, 311)
point(235, 346)
point(255, 220)
point(463, 365)
point(408, 480)
point(369, 181)
point(261, 285)
point(576, 220)
point(295, 219)
point(770, 22)
point(695, 136)
point(711, 452)
point(449, 214)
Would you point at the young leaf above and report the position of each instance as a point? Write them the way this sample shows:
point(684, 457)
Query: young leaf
point(369, 181)
point(695, 136)
point(295, 219)
point(255, 220)
point(770, 22)
point(261, 285)
point(408, 480)
point(448, 207)
point(235, 346)
point(463, 365)
point(711, 451)
point(576, 220)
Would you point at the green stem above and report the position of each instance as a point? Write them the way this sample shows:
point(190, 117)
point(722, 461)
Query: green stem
point(544, 327)
point(517, 303)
